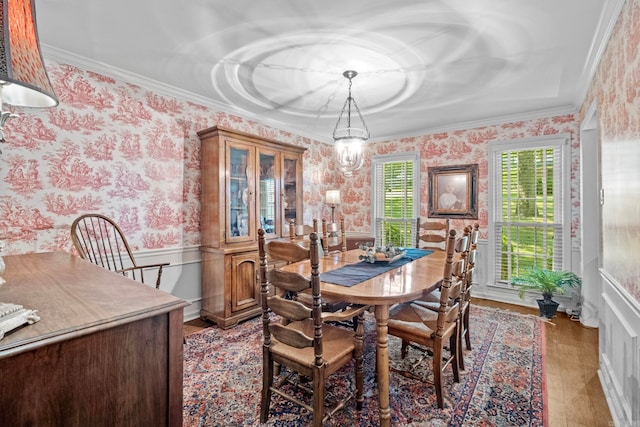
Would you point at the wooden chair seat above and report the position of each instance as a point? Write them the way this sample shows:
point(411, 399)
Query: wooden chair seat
point(337, 346)
point(419, 321)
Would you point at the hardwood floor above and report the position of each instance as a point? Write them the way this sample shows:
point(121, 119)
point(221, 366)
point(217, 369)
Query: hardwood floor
point(195, 325)
point(574, 394)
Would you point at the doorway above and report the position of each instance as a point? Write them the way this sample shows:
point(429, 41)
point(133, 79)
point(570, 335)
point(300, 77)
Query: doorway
point(591, 217)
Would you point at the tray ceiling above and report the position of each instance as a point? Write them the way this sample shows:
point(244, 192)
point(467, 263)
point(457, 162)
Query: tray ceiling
point(422, 65)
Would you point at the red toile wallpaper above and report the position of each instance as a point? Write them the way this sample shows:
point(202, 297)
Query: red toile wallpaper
point(461, 147)
point(616, 91)
point(117, 149)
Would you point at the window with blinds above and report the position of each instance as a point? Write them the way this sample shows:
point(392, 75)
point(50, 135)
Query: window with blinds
point(395, 199)
point(530, 205)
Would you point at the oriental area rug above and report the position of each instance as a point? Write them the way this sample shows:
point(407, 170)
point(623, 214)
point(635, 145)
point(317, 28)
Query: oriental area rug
point(503, 384)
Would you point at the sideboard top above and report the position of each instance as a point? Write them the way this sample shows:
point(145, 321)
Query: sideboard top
point(73, 298)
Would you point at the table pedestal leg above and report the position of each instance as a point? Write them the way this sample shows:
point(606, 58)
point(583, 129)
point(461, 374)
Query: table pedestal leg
point(382, 363)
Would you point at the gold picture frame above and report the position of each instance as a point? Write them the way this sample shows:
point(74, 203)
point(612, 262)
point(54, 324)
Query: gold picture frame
point(453, 191)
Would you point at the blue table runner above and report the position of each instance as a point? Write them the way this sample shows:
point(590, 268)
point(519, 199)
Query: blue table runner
point(353, 274)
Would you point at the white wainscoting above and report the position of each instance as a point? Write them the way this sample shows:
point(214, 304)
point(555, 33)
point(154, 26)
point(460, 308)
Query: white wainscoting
point(181, 278)
point(620, 352)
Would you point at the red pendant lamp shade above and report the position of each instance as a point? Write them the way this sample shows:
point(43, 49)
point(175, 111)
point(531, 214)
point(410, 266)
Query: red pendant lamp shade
point(23, 77)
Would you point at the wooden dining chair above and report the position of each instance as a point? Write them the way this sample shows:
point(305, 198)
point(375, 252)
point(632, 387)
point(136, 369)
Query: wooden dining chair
point(296, 234)
point(100, 240)
point(332, 240)
point(426, 330)
point(328, 305)
point(431, 301)
point(431, 234)
point(304, 346)
point(465, 299)
point(334, 244)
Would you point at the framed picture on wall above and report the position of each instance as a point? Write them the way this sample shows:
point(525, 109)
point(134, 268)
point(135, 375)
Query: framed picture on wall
point(453, 191)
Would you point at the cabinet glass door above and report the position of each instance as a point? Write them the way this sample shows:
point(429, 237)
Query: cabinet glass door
point(291, 200)
point(267, 196)
point(240, 194)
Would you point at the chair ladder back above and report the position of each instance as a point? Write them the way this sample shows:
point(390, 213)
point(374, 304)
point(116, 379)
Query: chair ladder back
point(264, 288)
point(306, 230)
point(471, 261)
point(317, 303)
point(475, 234)
point(432, 233)
point(100, 240)
point(473, 250)
point(455, 291)
point(292, 230)
point(446, 285)
point(288, 252)
point(332, 243)
point(325, 234)
point(471, 265)
point(463, 244)
point(290, 283)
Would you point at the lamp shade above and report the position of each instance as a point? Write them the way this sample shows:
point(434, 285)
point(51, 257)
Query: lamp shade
point(23, 77)
point(332, 197)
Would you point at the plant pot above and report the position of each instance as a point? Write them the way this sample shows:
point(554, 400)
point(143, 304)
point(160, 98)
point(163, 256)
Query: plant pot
point(548, 307)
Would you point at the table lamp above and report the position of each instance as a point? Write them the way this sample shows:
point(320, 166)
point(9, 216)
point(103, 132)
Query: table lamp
point(332, 198)
point(23, 82)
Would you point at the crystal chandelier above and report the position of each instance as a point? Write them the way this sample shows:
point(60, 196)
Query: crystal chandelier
point(350, 140)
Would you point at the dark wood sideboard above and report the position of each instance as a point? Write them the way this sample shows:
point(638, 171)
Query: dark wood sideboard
point(106, 352)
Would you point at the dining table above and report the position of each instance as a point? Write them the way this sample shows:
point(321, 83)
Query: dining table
point(409, 278)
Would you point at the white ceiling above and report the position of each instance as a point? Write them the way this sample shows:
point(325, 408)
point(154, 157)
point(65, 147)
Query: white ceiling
point(423, 65)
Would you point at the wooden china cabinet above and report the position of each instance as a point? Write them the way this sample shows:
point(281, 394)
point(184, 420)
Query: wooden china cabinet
point(248, 182)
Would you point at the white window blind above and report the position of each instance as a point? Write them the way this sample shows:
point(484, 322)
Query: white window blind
point(530, 205)
point(395, 198)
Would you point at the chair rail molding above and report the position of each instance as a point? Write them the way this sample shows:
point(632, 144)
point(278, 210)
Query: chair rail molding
point(182, 277)
point(619, 349)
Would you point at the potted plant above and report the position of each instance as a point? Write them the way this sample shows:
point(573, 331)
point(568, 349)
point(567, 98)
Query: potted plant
point(548, 283)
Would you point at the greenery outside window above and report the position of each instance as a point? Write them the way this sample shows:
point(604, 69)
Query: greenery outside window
point(530, 205)
point(395, 198)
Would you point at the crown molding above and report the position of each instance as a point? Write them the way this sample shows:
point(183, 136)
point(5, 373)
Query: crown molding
point(61, 56)
point(54, 54)
point(476, 124)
